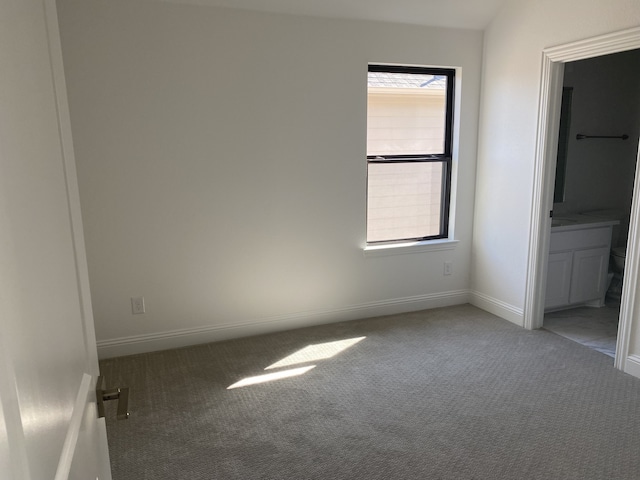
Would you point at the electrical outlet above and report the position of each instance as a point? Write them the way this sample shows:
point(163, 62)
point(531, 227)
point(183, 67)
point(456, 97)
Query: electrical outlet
point(448, 268)
point(137, 305)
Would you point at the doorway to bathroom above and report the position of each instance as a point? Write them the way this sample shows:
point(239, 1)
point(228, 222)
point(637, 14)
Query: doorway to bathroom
point(593, 193)
point(627, 357)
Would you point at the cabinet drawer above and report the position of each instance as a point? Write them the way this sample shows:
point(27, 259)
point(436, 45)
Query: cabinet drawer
point(578, 239)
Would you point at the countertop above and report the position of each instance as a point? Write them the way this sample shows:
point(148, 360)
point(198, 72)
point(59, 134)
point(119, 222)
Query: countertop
point(579, 221)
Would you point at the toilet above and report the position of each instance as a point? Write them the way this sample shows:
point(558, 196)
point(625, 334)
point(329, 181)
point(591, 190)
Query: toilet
point(618, 255)
point(618, 250)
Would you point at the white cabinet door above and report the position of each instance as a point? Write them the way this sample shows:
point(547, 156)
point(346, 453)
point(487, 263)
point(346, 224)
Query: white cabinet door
point(48, 362)
point(558, 279)
point(589, 274)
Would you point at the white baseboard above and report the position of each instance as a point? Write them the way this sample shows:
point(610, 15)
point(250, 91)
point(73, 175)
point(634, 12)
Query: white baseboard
point(497, 307)
point(117, 347)
point(632, 365)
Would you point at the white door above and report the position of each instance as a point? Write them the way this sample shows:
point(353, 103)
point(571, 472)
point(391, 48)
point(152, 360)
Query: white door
point(48, 363)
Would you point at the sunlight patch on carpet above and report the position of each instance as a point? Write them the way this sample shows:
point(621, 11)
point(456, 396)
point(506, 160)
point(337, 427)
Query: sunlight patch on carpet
point(313, 353)
point(269, 377)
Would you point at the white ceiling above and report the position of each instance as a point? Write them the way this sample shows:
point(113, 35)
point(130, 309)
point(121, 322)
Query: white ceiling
point(474, 14)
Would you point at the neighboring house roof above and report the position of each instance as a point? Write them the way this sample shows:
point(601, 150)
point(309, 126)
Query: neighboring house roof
point(404, 80)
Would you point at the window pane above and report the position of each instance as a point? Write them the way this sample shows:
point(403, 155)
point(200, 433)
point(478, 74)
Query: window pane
point(406, 113)
point(404, 200)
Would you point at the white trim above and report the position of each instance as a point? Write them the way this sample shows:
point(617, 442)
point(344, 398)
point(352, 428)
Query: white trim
point(409, 247)
point(544, 173)
point(632, 365)
point(73, 432)
point(212, 333)
point(497, 307)
point(596, 46)
point(80, 412)
point(71, 180)
point(103, 448)
point(631, 272)
point(19, 468)
point(550, 90)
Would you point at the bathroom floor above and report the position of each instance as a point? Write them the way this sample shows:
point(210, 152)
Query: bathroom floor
point(596, 328)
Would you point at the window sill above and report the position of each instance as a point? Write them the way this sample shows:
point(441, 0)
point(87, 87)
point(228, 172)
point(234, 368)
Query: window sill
point(409, 247)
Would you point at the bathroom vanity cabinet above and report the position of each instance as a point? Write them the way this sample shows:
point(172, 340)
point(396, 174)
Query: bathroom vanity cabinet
point(578, 262)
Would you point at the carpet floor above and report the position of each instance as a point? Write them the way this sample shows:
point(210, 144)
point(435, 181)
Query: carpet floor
point(450, 393)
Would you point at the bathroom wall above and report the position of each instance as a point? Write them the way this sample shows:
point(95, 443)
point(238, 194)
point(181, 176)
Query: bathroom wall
point(606, 101)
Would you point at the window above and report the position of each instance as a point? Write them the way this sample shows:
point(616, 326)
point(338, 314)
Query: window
point(409, 131)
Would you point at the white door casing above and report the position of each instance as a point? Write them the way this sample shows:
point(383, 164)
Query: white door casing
point(48, 362)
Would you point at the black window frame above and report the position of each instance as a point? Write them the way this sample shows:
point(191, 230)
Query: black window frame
point(444, 158)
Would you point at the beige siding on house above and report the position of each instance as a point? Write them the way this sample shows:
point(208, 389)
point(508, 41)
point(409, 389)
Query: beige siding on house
point(404, 200)
point(405, 121)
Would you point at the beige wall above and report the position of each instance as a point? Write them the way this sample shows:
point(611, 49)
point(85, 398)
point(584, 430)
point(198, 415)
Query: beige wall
point(404, 201)
point(221, 161)
point(406, 123)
